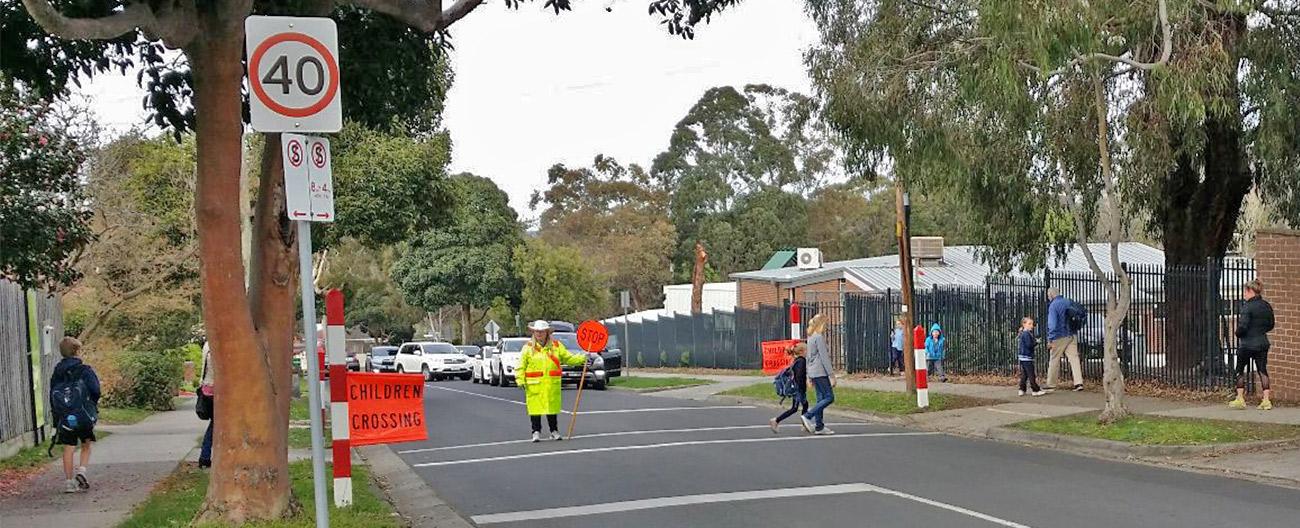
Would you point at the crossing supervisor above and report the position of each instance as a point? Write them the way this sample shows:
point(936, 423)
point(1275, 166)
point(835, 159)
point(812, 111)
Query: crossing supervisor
point(541, 366)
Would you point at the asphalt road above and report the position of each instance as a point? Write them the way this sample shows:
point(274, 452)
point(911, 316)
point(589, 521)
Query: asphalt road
point(644, 461)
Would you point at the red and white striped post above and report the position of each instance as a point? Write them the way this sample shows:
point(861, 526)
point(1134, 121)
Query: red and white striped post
point(795, 313)
point(922, 384)
point(335, 350)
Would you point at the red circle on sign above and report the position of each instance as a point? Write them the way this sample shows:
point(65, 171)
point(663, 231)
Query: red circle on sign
point(318, 155)
point(295, 152)
point(592, 336)
point(254, 80)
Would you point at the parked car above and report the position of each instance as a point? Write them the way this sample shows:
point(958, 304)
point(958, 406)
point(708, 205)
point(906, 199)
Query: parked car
point(434, 360)
point(563, 326)
point(597, 376)
point(382, 359)
point(1092, 341)
point(480, 366)
point(469, 350)
point(501, 369)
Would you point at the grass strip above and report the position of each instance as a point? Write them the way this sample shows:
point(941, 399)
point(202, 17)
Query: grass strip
point(897, 403)
point(1161, 430)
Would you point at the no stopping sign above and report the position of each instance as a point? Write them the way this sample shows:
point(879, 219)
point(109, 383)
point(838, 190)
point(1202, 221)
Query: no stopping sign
point(293, 74)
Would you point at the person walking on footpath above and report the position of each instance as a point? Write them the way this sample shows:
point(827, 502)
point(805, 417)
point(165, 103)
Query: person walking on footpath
point(896, 348)
point(799, 374)
point(541, 365)
point(1061, 340)
point(74, 402)
point(1253, 325)
point(1025, 356)
point(935, 350)
point(206, 405)
point(822, 374)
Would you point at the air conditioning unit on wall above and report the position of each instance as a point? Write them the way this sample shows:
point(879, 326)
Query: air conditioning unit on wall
point(809, 258)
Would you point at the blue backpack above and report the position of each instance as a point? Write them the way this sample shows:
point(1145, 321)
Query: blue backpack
point(1076, 317)
point(784, 383)
point(70, 403)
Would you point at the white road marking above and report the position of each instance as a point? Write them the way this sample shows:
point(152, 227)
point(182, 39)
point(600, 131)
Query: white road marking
point(664, 502)
point(710, 498)
point(663, 445)
point(614, 411)
point(623, 433)
point(1017, 413)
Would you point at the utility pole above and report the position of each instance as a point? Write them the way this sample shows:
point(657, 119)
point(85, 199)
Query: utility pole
point(903, 209)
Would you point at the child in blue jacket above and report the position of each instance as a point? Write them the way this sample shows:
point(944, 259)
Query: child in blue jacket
point(1025, 355)
point(934, 352)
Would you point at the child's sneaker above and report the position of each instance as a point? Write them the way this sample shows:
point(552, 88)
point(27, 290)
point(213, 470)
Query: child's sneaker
point(1238, 403)
point(1020, 393)
point(775, 428)
point(1266, 405)
point(70, 487)
point(1040, 393)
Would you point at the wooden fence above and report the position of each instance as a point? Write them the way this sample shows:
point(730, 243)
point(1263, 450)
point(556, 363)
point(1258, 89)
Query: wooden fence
point(31, 323)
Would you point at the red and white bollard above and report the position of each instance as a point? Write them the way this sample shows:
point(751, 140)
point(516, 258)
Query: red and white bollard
point(335, 350)
point(795, 313)
point(922, 383)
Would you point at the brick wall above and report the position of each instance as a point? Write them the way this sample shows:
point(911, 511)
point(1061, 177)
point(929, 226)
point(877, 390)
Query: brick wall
point(1278, 259)
point(749, 294)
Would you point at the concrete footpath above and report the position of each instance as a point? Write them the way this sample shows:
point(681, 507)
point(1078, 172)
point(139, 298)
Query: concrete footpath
point(1278, 464)
point(124, 468)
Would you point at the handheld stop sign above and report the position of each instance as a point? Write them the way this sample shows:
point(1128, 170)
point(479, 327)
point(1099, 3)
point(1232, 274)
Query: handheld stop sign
point(592, 337)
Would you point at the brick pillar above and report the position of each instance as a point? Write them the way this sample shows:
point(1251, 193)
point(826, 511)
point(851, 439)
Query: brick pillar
point(1277, 256)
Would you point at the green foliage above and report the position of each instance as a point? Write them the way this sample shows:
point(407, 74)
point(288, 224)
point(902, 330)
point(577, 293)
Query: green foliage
point(155, 330)
point(758, 225)
point(467, 262)
point(372, 299)
point(74, 320)
point(388, 186)
point(558, 284)
point(147, 380)
point(44, 219)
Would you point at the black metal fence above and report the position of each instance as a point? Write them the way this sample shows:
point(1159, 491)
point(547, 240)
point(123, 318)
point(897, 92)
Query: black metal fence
point(1178, 331)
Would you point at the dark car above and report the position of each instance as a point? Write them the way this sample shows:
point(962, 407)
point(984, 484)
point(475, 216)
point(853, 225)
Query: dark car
point(597, 375)
point(381, 359)
point(563, 326)
point(1091, 341)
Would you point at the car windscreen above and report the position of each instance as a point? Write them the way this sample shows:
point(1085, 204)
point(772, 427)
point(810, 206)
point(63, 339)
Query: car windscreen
point(440, 348)
point(570, 341)
point(383, 351)
point(468, 350)
point(513, 345)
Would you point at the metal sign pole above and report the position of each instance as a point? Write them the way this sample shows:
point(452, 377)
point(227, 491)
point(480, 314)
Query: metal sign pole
point(310, 345)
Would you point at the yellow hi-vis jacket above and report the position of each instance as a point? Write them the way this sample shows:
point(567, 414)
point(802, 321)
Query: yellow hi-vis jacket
point(539, 374)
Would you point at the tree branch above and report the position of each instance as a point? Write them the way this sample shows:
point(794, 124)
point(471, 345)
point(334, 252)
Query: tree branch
point(1166, 48)
point(131, 17)
point(426, 16)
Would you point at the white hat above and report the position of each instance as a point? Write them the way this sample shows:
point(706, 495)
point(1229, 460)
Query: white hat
point(539, 326)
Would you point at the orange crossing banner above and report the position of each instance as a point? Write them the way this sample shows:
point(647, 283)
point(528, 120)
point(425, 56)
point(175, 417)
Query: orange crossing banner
point(385, 408)
point(774, 356)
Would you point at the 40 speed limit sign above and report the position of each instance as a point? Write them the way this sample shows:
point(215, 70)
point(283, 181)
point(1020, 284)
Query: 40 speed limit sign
point(293, 74)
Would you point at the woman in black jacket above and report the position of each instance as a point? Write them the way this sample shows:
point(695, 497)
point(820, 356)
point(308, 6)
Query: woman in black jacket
point(1253, 325)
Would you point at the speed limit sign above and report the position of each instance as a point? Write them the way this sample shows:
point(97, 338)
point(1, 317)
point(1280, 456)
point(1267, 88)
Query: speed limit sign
point(293, 74)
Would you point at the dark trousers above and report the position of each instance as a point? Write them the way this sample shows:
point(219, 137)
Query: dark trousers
point(1028, 376)
point(205, 452)
point(896, 360)
point(825, 397)
point(797, 402)
point(551, 421)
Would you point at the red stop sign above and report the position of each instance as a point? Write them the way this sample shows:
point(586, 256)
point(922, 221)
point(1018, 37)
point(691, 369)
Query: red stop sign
point(592, 336)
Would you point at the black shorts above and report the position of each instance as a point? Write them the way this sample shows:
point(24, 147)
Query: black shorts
point(1245, 356)
point(72, 438)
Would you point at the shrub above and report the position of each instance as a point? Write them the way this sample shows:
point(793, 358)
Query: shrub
point(74, 321)
point(148, 380)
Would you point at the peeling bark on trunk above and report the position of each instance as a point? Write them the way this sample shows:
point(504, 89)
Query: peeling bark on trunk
point(249, 479)
point(697, 279)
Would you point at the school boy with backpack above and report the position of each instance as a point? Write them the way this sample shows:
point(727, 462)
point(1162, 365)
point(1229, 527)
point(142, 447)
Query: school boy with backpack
point(792, 382)
point(74, 402)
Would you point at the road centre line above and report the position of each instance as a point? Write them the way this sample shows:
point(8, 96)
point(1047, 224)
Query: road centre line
point(662, 445)
point(622, 433)
point(712, 498)
point(614, 411)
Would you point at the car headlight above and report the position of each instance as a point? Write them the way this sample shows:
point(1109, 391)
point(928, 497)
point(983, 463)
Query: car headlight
point(598, 362)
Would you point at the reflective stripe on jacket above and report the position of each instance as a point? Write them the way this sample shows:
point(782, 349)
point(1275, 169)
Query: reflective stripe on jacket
point(539, 373)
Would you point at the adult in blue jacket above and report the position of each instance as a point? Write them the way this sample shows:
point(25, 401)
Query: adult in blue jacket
point(1061, 341)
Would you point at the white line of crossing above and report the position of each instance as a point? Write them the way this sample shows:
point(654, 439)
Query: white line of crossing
point(612, 411)
point(624, 433)
point(711, 498)
point(659, 446)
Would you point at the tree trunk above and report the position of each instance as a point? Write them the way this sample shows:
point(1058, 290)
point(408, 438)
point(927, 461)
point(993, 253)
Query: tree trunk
point(1112, 377)
point(249, 480)
point(697, 279)
point(464, 324)
point(272, 284)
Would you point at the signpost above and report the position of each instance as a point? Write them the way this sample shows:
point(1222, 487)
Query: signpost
point(493, 331)
point(625, 299)
point(592, 337)
point(293, 77)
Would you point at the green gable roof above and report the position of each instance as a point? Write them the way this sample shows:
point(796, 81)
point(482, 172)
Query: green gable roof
point(780, 260)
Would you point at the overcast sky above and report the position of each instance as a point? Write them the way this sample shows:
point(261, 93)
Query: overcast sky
point(533, 89)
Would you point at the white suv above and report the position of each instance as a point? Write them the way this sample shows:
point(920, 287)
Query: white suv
point(501, 368)
point(434, 360)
